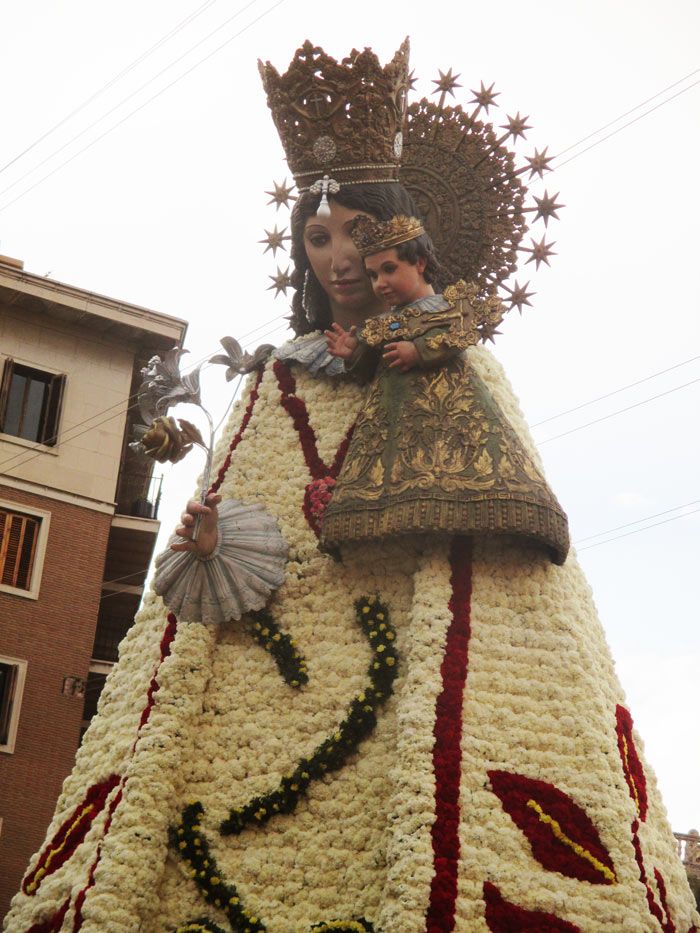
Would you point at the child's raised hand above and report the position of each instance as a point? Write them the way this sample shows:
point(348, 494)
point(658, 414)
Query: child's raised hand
point(402, 355)
point(342, 343)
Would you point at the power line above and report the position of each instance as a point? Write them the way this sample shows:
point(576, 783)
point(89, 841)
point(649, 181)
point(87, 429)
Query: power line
point(625, 125)
point(104, 415)
point(620, 411)
point(627, 113)
point(123, 101)
point(125, 71)
point(638, 530)
point(600, 398)
point(141, 106)
point(637, 521)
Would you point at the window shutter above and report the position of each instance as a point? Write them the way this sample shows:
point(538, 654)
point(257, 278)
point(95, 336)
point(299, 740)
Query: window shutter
point(53, 411)
point(17, 548)
point(5, 389)
point(8, 678)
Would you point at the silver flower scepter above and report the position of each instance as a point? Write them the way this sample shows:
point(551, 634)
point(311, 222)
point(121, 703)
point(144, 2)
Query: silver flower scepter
point(164, 439)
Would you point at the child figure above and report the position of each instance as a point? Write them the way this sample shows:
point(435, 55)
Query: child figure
point(431, 450)
point(400, 262)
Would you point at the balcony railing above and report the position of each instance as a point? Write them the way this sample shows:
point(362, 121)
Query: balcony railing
point(689, 851)
point(138, 494)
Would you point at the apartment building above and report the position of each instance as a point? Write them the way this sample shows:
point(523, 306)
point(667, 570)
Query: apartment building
point(78, 522)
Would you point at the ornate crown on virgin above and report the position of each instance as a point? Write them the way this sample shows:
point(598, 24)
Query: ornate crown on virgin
point(341, 119)
point(349, 122)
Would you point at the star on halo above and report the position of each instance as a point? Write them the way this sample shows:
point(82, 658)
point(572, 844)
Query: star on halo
point(485, 96)
point(539, 162)
point(488, 331)
point(547, 207)
point(281, 281)
point(281, 195)
point(540, 252)
point(446, 83)
point(275, 239)
point(516, 125)
point(519, 295)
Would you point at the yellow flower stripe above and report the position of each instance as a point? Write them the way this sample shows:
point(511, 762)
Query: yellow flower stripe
point(562, 837)
point(54, 852)
point(340, 925)
point(629, 775)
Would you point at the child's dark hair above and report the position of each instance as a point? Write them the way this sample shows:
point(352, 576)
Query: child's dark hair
point(421, 248)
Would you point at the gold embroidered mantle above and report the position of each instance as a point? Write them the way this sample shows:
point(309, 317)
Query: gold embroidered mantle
point(432, 451)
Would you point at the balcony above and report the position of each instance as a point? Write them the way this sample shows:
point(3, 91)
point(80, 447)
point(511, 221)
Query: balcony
point(138, 492)
point(689, 851)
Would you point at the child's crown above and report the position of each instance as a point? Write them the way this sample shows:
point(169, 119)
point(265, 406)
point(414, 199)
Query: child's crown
point(372, 236)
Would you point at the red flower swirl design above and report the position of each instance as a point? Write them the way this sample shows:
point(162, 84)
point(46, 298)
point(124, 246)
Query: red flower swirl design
point(631, 764)
point(504, 917)
point(561, 834)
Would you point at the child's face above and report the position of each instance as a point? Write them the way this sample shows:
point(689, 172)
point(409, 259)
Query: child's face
point(395, 280)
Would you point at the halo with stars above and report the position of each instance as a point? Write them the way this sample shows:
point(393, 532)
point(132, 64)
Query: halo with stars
point(470, 188)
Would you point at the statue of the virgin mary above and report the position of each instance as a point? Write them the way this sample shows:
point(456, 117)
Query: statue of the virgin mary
point(403, 732)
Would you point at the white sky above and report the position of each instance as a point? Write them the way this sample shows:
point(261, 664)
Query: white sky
point(167, 209)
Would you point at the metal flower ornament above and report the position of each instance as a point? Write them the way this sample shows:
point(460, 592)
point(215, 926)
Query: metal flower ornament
point(237, 362)
point(166, 439)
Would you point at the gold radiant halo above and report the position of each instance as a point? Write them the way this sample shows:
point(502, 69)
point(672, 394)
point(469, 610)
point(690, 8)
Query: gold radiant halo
point(471, 192)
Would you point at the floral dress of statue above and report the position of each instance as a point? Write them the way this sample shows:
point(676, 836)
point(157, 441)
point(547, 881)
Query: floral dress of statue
point(426, 734)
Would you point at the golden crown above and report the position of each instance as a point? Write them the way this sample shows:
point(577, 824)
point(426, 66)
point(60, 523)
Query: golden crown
point(372, 236)
point(341, 119)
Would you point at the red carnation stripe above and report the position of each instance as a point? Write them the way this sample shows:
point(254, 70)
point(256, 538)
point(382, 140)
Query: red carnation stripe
point(666, 923)
point(661, 885)
point(318, 493)
point(561, 835)
point(165, 643)
point(504, 917)
point(447, 751)
point(165, 646)
point(70, 834)
point(80, 899)
point(631, 763)
point(252, 399)
point(297, 411)
point(54, 923)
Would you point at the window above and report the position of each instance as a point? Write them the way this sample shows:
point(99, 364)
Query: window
point(23, 536)
point(30, 403)
point(12, 676)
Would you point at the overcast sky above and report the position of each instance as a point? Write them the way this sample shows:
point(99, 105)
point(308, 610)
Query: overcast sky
point(166, 210)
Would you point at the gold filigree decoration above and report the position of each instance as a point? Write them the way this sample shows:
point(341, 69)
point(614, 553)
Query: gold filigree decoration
point(372, 236)
point(432, 451)
point(341, 119)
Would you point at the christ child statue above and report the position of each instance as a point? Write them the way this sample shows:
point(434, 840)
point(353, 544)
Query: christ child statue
point(400, 262)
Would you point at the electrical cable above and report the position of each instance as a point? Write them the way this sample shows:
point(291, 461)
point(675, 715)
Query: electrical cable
point(123, 101)
point(625, 125)
point(620, 411)
point(105, 415)
point(638, 520)
point(627, 113)
point(142, 105)
point(638, 530)
point(600, 398)
point(125, 71)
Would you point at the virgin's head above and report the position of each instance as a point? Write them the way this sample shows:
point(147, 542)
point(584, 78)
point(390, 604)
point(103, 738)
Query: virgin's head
point(329, 276)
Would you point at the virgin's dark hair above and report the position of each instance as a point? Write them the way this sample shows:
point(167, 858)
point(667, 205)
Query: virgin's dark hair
point(382, 201)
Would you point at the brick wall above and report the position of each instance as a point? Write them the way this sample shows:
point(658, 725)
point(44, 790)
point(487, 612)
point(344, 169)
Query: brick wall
point(54, 634)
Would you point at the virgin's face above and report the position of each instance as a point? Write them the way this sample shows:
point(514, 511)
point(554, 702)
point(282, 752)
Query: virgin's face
point(337, 265)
